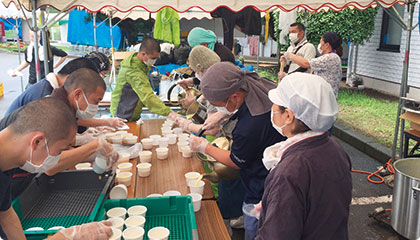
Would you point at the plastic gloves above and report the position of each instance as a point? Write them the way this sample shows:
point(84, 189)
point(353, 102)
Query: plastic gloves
point(84, 138)
point(198, 144)
point(186, 83)
point(183, 123)
point(173, 115)
point(187, 101)
point(89, 231)
point(214, 120)
point(281, 75)
point(114, 122)
point(135, 149)
point(108, 152)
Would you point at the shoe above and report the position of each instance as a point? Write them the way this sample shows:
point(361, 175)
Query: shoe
point(237, 222)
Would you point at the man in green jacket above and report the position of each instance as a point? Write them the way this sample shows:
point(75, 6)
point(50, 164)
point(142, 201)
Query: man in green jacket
point(133, 90)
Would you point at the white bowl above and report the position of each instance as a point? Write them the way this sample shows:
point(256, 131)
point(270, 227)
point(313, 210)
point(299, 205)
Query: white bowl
point(135, 221)
point(119, 212)
point(133, 233)
point(143, 169)
point(145, 156)
point(162, 153)
point(125, 178)
point(147, 143)
point(158, 233)
point(137, 210)
point(118, 192)
point(117, 222)
point(125, 167)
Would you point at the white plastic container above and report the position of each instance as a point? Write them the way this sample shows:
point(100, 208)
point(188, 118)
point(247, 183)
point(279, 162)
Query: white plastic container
point(118, 192)
point(172, 138)
point(177, 131)
point(108, 136)
point(123, 157)
point(155, 139)
point(100, 165)
point(125, 178)
point(155, 195)
point(117, 139)
point(118, 212)
point(147, 143)
point(166, 133)
point(133, 233)
point(171, 193)
point(145, 156)
point(135, 221)
point(191, 177)
point(130, 139)
point(116, 234)
point(163, 142)
point(158, 233)
point(82, 166)
point(196, 200)
point(164, 128)
point(182, 144)
point(117, 223)
point(199, 188)
point(123, 133)
point(137, 210)
point(186, 152)
point(125, 167)
point(162, 153)
point(143, 169)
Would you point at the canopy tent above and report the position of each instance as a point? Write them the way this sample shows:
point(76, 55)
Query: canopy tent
point(11, 12)
point(140, 13)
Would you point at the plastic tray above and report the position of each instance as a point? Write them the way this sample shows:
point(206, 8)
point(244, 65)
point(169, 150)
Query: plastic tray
point(175, 213)
point(66, 199)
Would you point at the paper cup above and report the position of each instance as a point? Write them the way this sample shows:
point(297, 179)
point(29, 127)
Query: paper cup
point(186, 152)
point(138, 210)
point(82, 166)
point(197, 189)
point(155, 139)
point(123, 157)
point(196, 200)
point(133, 233)
point(118, 212)
point(145, 156)
point(172, 138)
point(130, 139)
point(125, 178)
point(143, 169)
point(147, 143)
point(117, 223)
point(117, 139)
point(118, 192)
point(177, 131)
point(116, 234)
point(182, 144)
point(171, 193)
point(125, 167)
point(191, 177)
point(135, 221)
point(163, 142)
point(158, 233)
point(162, 153)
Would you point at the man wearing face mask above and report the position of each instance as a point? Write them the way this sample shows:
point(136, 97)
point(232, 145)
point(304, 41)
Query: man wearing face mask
point(82, 92)
point(300, 46)
point(34, 141)
point(243, 95)
point(133, 89)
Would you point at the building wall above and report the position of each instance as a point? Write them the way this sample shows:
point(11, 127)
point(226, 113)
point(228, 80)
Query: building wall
point(383, 70)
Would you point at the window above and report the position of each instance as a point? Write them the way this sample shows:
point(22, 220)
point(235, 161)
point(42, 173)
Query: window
point(391, 32)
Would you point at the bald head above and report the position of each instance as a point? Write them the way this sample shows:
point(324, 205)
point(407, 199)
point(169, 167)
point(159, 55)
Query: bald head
point(85, 79)
point(47, 115)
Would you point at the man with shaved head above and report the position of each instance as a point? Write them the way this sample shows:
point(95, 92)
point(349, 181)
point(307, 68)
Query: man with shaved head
point(34, 142)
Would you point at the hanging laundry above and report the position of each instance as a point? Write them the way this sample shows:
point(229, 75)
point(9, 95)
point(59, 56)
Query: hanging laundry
point(266, 26)
point(253, 45)
point(167, 26)
point(285, 19)
point(248, 20)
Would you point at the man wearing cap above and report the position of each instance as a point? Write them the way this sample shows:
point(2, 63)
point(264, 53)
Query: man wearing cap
point(243, 95)
point(307, 193)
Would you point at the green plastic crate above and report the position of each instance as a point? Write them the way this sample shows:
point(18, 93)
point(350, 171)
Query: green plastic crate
point(175, 213)
point(66, 199)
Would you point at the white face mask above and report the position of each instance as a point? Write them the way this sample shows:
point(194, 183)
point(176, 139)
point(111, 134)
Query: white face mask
point(89, 112)
point(225, 110)
point(198, 76)
point(150, 62)
point(49, 162)
point(279, 129)
point(319, 48)
point(293, 37)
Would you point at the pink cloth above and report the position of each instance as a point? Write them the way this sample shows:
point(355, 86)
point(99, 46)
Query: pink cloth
point(253, 45)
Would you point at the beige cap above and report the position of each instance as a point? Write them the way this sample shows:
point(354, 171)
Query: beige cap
point(201, 58)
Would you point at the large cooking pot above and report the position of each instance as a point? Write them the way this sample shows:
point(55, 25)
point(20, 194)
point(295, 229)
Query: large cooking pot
point(197, 112)
point(405, 215)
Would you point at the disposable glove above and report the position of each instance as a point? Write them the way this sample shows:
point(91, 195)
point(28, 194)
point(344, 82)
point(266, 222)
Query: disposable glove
point(214, 120)
point(135, 149)
point(187, 101)
point(115, 122)
point(108, 151)
point(183, 123)
point(84, 138)
point(186, 83)
point(198, 144)
point(281, 75)
point(174, 116)
point(89, 231)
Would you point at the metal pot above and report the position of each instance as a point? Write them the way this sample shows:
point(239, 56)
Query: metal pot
point(405, 215)
point(197, 112)
point(182, 94)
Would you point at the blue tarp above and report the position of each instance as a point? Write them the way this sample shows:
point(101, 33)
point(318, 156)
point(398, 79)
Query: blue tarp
point(8, 26)
point(80, 31)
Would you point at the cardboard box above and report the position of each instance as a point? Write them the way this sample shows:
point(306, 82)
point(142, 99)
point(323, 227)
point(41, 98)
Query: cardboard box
point(413, 118)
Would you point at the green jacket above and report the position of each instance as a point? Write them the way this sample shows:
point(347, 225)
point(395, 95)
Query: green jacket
point(167, 26)
point(133, 91)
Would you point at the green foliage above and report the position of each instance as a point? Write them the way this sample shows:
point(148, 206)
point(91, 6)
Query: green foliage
point(352, 25)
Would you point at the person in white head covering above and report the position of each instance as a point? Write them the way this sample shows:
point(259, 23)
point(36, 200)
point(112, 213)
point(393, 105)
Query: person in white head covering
point(307, 193)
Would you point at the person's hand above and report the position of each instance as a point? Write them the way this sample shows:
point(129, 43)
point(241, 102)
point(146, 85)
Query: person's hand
point(187, 101)
point(214, 120)
point(186, 83)
point(257, 209)
point(174, 116)
point(183, 123)
point(89, 231)
point(108, 151)
point(288, 56)
point(84, 138)
point(281, 75)
point(198, 144)
point(114, 122)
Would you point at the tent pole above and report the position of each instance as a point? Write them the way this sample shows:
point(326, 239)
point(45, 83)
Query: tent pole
point(113, 71)
point(404, 84)
point(35, 30)
point(18, 47)
point(258, 54)
point(94, 31)
point(44, 42)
